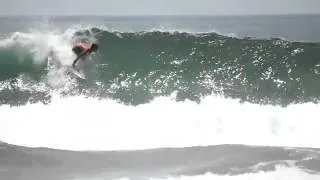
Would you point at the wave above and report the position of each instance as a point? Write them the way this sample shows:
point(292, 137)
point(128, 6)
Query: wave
point(279, 173)
point(221, 162)
point(158, 89)
point(136, 67)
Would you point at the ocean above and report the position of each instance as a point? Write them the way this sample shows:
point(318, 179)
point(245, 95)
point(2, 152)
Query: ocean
point(165, 98)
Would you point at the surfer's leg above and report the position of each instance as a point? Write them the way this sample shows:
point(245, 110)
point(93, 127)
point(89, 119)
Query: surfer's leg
point(74, 63)
point(78, 52)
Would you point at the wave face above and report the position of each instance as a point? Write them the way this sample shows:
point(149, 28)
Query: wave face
point(136, 67)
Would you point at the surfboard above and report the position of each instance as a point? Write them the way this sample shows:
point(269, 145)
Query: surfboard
point(77, 73)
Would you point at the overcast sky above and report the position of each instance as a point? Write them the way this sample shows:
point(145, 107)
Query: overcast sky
point(146, 7)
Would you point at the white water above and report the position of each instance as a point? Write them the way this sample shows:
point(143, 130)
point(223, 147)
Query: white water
point(40, 44)
point(80, 123)
point(280, 174)
point(43, 44)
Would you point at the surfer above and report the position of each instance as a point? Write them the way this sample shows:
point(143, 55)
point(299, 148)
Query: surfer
point(83, 50)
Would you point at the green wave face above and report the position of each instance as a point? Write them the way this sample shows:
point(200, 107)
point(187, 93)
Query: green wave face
point(134, 68)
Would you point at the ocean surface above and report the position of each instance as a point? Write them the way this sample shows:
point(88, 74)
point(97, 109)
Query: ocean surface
point(165, 98)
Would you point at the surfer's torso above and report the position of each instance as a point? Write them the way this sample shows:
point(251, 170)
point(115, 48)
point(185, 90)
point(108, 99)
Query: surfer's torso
point(80, 48)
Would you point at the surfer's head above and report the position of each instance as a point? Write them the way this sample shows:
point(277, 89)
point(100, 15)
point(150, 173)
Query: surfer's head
point(94, 47)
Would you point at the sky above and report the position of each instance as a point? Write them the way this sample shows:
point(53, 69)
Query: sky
point(158, 7)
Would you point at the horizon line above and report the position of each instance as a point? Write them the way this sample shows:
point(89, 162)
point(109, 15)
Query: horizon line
point(146, 15)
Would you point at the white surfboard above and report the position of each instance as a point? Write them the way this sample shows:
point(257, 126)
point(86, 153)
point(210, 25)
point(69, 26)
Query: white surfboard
point(77, 73)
